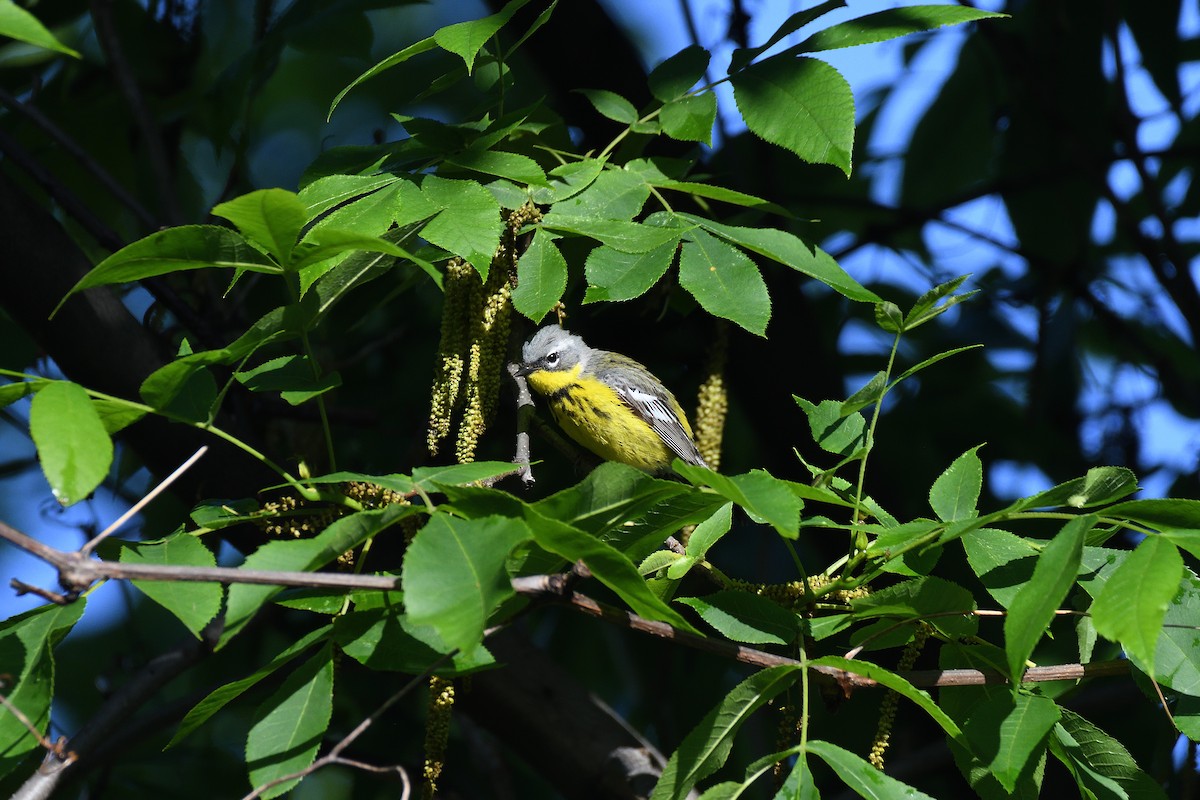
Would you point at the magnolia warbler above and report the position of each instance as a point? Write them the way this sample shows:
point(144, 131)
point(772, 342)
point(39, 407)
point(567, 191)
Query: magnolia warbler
point(608, 402)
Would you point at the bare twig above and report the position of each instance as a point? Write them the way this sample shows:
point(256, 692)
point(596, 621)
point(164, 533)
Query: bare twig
point(334, 756)
point(525, 412)
point(77, 571)
point(57, 749)
point(140, 504)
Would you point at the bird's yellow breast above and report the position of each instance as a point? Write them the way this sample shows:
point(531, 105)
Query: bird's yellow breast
point(593, 415)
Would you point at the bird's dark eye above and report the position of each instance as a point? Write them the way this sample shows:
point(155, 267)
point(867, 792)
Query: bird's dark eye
point(552, 359)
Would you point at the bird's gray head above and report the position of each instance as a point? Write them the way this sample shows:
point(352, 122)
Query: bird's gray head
point(554, 349)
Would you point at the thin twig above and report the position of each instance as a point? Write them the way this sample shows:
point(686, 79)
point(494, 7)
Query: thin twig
point(525, 412)
point(58, 749)
point(140, 504)
point(334, 755)
point(77, 571)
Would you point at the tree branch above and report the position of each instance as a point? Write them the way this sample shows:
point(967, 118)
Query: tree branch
point(77, 572)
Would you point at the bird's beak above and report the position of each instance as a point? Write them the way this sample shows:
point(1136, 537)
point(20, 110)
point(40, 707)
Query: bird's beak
point(525, 369)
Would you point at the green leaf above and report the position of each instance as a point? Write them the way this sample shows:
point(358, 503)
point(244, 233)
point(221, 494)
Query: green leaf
point(833, 432)
point(615, 276)
point(926, 308)
point(292, 376)
point(271, 218)
point(746, 618)
point(611, 105)
point(289, 726)
point(332, 191)
point(1002, 561)
point(1091, 783)
point(710, 531)
point(568, 180)
point(724, 281)
point(72, 445)
point(1093, 751)
point(305, 555)
point(890, 24)
point(222, 696)
point(466, 39)
point(1006, 731)
point(913, 370)
point(1169, 513)
point(790, 251)
point(801, 104)
point(325, 242)
point(1133, 603)
point(690, 119)
point(17, 23)
point(27, 643)
point(889, 317)
point(628, 237)
point(722, 194)
point(432, 478)
point(541, 277)
point(616, 194)
point(423, 46)
point(195, 604)
point(800, 783)
point(869, 394)
point(468, 224)
point(384, 638)
point(792, 24)
point(679, 73)
point(955, 494)
point(765, 497)
point(934, 599)
point(1188, 540)
point(512, 166)
point(1101, 485)
point(607, 564)
point(1032, 609)
point(116, 414)
point(707, 746)
point(897, 684)
point(861, 776)
point(454, 575)
point(175, 250)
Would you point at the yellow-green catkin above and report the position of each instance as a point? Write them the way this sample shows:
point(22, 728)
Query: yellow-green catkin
point(712, 404)
point(461, 288)
point(474, 342)
point(437, 733)
point(489, 335)
point(792, 595)
point(887, 709)
point(786, 734)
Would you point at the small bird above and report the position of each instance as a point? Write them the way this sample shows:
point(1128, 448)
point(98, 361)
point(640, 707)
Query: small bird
point(608, 402)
